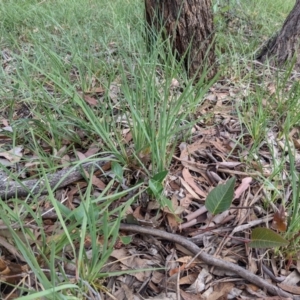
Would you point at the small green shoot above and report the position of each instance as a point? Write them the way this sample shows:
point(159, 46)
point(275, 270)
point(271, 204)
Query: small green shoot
point(117, 170)
point(156, 184)
point(156, 189)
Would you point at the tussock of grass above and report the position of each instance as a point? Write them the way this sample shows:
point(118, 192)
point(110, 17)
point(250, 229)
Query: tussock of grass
point(54, 52)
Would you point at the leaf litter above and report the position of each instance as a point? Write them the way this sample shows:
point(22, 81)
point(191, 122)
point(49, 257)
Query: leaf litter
point(208, 160)
point(212, 159)
point(217, 152)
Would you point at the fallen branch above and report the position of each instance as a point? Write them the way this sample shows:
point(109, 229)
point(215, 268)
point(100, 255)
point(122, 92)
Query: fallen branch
point(11, 188)
point(209, 259)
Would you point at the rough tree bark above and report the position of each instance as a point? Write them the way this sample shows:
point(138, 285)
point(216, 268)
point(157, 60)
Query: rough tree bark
point(284, 46)
point(189, 26)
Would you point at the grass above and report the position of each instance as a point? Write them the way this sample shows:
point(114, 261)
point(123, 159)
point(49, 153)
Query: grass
point(55, 52)
point(270, 111)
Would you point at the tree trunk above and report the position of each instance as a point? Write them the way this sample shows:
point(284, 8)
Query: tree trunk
point(284, 46)
point(189, 26)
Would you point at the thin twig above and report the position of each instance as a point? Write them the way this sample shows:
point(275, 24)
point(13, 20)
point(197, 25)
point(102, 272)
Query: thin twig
point(210, 260)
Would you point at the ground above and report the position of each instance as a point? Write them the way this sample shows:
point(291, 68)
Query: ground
point(107, 149)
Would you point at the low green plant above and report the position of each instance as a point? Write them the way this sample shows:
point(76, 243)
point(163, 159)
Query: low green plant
point(92, 219)
point(220, 199)
point(55, 51)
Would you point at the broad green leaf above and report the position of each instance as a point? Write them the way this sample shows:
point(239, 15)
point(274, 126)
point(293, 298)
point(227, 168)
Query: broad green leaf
point(266, 238)
point(160, 176)
point(130, 219)
point(125, 239)
point(220, 198)
point(155, 184)
point(117, 170)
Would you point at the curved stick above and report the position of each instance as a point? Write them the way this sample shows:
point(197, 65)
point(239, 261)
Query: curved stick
point(209, 259)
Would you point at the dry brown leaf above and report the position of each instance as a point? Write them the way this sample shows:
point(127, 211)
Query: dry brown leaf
point(13, 250)
point(279, 219)
point(128, 292)
point(189, 279)
point(177, 270)
point(200, 283)
point(184, 259)
point(114, 92)
point(133, 262)
point(174, 83)
point(292, 279)
point(242, 187)
point(252, 264)
point(186, 150)
point(157, 277)
point(106, 166)
point(296, 143)
point(128, 137)
point(80, 155)
point(90, 100)
point(221, 291)
point(137, 213)
point(186, 201)
point(186, 265)
point(153, 205)
point(222, 96)
point(254, 290)
point(154, 288)
point(199, 145)
point(14, 155)
point(293, 289)
point(189, 189)
point(223, 110)
point(72, 192)
point(5, 122)
point(172, 222)
point(190, 296)
point(61, 151)
point(11, 272)
point(96, 181)
point(164, 296)
point(191, 182)
point(211, 97)
point(219, 145)
point(93, 149)
point(173, 183)
point(271, 88)
point(65, 161)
